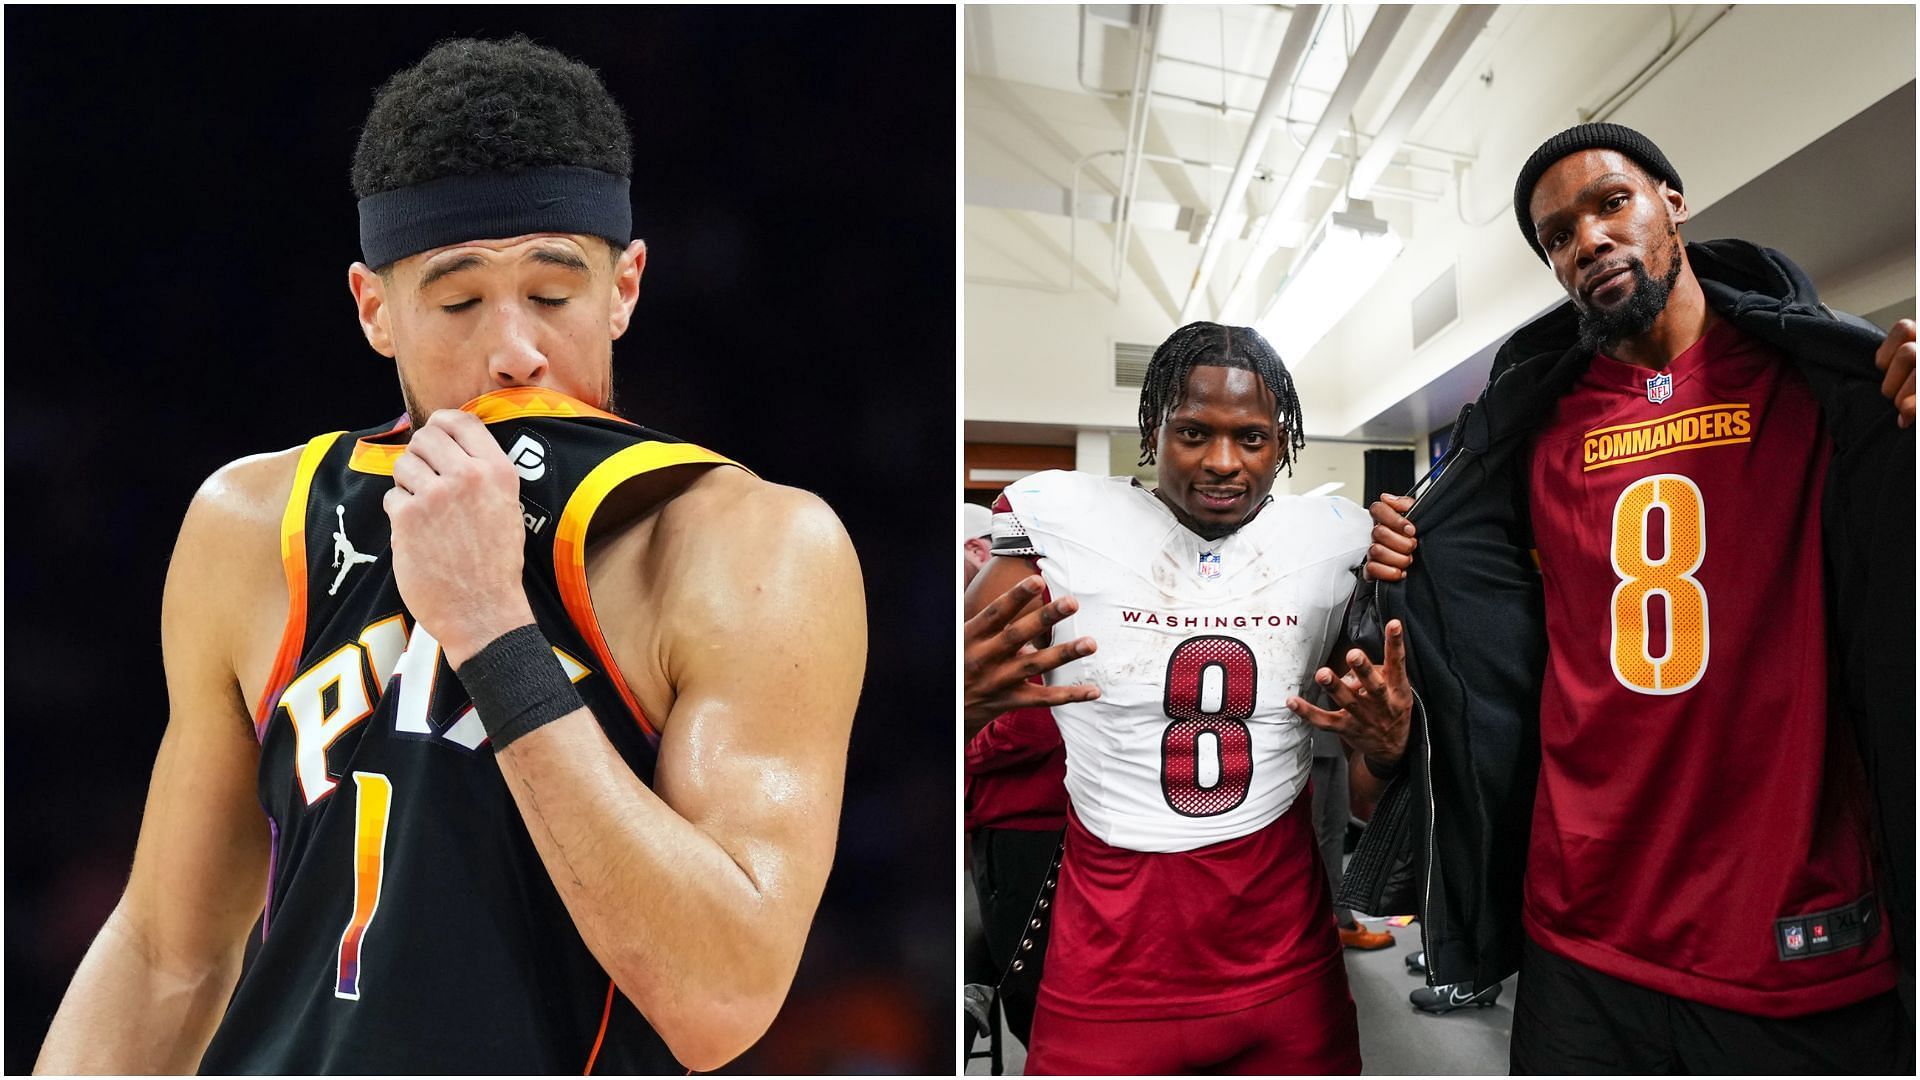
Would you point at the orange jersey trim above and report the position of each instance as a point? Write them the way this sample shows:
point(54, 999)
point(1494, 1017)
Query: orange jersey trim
point(293, 560)
point(606, 1014)
point(513, 403)
point(570, 544)
point(378, 458)
point(523, 401)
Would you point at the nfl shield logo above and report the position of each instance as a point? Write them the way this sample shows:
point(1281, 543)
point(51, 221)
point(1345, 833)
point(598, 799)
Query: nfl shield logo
point(1209, 565)
point(1660, 388)
point(1794, 938)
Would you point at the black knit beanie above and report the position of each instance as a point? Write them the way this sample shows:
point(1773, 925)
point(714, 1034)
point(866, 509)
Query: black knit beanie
point(1572, 141)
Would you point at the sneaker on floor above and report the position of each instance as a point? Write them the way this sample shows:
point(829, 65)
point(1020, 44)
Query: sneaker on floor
point(976, 1004)
point(1444, 999)
point(1417, 962)
point(1359, 937)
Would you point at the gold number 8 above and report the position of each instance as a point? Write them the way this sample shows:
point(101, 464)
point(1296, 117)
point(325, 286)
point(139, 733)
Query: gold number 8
point(1684, 658)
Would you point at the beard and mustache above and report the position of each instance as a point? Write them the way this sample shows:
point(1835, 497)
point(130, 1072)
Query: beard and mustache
point(1603, 328)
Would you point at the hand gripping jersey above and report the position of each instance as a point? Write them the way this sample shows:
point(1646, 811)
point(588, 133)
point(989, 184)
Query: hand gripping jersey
point(1200, 644)
point(410, 926)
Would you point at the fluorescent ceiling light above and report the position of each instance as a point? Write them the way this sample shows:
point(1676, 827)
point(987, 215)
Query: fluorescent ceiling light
point(1324, 489)
point(1342, 260)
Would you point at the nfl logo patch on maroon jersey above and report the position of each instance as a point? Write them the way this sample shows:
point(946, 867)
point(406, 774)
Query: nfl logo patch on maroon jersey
point(1660, 387)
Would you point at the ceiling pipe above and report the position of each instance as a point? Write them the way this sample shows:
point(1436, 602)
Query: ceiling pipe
point(1139, 113)
point(1080, 63)
point(1605, 110)
point(1286, 63)
point(1387, 20)
point(1448, 50)
point(1208, 66)
point(1224, 107)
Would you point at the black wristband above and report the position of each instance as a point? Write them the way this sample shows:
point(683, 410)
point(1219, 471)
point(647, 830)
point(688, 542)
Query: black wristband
point(517, 684)
point(1384, 772)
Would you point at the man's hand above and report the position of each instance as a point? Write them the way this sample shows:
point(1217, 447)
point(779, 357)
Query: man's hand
point(458, 535)
point(1001, 655)
point(1376, 702)
point(1895, 357)
point(1391, 552)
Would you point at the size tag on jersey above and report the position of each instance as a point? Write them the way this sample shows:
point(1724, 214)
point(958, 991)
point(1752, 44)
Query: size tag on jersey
point(1820, 932)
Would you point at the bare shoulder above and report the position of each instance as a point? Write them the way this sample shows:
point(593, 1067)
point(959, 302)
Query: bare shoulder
point(729, 519)
point(243, 500)
point(738, 557)
point(226, 596)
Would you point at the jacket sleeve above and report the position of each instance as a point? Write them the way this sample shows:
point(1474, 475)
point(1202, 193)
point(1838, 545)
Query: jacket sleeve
point(1010, 739)
point(1381, 879)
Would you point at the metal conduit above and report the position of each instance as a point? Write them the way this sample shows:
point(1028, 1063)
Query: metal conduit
point(1293, 52)
point(1366, 59)
point(1080, 73)
point(1448, 50)
point(1261, 172)
point(1140, 110)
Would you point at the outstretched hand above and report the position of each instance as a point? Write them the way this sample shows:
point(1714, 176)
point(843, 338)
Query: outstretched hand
point(1895, 357)
point(1391, 553)
point(1003, 649)
point(1375, 702)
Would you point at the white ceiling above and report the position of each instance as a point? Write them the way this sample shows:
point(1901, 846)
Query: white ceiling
point(1030, 121)
point(1045, 102)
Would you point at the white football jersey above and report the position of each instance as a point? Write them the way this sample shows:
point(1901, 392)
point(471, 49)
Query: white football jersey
point(1201, 642)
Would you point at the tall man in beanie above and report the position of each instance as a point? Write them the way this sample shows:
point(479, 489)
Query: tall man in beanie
point(550, 738)
point(1659, 606)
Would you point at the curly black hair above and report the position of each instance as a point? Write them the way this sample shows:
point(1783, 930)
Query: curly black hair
point(473, 106)
point(1205, 344)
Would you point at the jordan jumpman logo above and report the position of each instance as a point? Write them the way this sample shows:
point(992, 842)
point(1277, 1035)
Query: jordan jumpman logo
point(344, 556)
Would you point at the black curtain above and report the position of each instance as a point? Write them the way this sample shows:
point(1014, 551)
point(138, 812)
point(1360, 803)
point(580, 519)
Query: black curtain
point(1389, 471)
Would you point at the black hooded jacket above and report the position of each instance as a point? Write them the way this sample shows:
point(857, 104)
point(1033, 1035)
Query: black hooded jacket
point(1450, 835)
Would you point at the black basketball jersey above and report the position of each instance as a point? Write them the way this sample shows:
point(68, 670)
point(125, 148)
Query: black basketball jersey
point(410, 926)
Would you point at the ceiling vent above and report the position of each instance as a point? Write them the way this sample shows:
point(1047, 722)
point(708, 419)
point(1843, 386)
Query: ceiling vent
point(1130, 364)
point(1437, 307)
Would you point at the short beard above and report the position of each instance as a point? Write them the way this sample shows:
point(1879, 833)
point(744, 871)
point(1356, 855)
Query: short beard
point(415, 418)
point(1600, 330)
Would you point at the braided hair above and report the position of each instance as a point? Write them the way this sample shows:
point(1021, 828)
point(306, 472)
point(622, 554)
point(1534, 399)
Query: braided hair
point(1205, 344)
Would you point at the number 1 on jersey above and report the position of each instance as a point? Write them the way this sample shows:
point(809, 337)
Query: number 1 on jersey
point(1210, 692)
point(375, 798)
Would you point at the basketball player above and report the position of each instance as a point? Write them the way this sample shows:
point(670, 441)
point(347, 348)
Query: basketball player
point(1720, 499)
point(550, 739)
point(1192, 927)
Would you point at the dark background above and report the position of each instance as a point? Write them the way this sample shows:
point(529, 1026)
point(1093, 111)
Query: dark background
point(178, 228)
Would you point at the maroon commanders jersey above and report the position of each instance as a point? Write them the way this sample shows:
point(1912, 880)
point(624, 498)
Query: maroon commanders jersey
point(1700, 828)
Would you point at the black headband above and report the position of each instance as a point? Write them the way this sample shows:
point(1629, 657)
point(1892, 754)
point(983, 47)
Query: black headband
point(490, 206)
